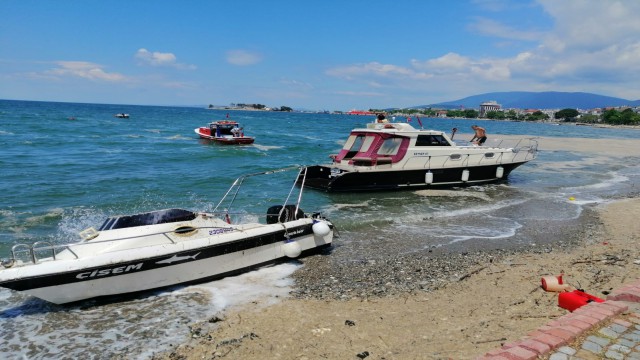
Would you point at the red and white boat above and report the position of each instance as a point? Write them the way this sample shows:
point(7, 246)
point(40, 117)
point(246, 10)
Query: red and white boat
point(227, 132)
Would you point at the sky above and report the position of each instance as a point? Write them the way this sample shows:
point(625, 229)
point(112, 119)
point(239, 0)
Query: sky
point(314, 54)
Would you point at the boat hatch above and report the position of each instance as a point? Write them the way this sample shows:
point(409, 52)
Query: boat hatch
point(185, 230)
point(150, 218)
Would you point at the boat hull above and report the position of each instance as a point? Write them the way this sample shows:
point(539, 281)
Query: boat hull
point(65, 281)
point(320, 177)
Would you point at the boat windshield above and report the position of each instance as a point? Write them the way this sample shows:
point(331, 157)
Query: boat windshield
point(357, 143)
point(390, 146)
point(150, 218)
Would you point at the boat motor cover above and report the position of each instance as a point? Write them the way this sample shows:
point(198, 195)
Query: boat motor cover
point(287, 214)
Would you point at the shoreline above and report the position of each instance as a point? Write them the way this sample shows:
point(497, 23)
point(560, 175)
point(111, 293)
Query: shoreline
point(480, 300)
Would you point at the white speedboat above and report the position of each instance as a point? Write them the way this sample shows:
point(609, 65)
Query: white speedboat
point(394, 156)
point(157, 249)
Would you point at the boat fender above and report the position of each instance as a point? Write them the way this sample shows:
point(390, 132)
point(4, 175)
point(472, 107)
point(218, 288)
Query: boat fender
point(465, 175)
point(292, 249)
point(320, 228)
point(428, 177)
point(499, 172)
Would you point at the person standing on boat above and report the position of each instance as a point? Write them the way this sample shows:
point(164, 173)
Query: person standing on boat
point(381, 119)
point(480, 135)
point(235, 131)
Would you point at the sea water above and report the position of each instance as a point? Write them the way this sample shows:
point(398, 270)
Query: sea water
point(66, 167)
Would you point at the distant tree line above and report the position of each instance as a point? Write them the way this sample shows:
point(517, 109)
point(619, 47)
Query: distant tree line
point(624, 117)
point(612, 116)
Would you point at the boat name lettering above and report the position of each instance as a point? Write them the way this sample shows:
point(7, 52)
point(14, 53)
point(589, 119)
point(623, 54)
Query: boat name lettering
point(219, 231)
point(105, 272)
point(299, 231)
point(420, 153)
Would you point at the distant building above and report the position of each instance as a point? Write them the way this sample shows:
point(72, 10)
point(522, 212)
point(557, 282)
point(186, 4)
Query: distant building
point(485, 107)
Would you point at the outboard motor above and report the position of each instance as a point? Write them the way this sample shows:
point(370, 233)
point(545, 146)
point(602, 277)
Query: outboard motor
point(276, 214)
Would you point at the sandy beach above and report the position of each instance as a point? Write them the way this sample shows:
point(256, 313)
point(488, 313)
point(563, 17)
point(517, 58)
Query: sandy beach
point(484, 298)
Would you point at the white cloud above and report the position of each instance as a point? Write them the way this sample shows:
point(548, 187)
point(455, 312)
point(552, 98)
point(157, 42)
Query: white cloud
point(145, 57)
point(592, 46)
point(375, 69)
point(86, 70)
point(242, 57)
point(491, 27)
point(296, 84)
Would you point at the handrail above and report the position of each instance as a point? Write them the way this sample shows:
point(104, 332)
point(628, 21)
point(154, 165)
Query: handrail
point(237, 184)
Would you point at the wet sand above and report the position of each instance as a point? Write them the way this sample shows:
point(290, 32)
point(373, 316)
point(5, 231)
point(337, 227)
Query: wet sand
point(458, 303)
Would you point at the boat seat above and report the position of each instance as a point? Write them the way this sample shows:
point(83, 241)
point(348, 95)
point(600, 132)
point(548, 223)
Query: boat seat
point(370, 161)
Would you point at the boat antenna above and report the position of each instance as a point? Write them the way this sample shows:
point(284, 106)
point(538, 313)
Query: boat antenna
point(453, 132)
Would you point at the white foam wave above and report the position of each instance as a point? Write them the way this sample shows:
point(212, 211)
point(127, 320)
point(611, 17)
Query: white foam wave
point(269, 285)
point(135, 328)
point(447, 213)
point(453, 193)
point(267, 147)
point(362, 204)
point(614, 179)
point(38, 219)
point(179, 137)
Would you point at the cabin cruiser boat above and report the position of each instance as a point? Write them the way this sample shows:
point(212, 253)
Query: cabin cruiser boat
point(133, 253)
point(226, 132)
point(392, 156)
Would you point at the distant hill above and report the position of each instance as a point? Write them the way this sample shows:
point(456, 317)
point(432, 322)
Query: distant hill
point(537, 100)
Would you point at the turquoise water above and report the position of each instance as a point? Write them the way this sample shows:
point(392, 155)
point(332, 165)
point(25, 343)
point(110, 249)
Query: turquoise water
point(66, 167)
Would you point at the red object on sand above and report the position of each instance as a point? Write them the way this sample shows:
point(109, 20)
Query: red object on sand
point(549, 282)
point(575, 299)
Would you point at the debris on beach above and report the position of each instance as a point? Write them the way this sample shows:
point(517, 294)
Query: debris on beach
point(575, 299)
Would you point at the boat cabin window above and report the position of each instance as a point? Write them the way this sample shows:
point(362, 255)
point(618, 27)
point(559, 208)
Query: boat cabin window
point(431, 140)
point(390, 146)
point(357, 143)
point(222, 129)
